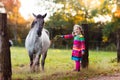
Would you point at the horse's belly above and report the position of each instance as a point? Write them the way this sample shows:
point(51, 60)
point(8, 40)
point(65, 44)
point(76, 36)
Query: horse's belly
point(45, 43)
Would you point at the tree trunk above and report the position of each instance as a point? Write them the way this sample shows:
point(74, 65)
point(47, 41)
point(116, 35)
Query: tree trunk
point(118, 45)
point(5, 58)
point(85, 60)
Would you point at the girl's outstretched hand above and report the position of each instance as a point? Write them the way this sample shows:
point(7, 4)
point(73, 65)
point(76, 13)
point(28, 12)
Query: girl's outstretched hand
point(58, 36)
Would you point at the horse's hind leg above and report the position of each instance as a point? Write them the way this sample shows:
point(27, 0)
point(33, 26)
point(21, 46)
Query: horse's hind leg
point(44, 55)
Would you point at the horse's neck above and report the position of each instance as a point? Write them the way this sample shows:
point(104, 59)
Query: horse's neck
point(33, 34)
point(34, 29)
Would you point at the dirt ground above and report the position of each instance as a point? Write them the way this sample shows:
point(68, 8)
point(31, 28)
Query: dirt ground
point(109, 77)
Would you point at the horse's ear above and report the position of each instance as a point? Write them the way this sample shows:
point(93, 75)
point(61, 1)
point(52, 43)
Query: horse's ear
point(34, 15)
point(44, 15)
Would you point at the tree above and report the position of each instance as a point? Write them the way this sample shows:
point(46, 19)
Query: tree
point(116, 28)
point(5, 60)
point(113, 26)
point(17, 24)
point(118, 41)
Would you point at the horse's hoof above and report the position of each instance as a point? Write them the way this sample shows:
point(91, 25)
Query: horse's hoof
point(43, 71)
point(37, 70)
point(32, 70)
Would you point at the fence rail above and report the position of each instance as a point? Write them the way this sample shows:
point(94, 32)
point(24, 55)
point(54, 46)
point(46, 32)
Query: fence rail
point(94, 45)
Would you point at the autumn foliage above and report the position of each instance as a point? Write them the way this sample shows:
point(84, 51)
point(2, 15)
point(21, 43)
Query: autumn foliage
point(16, 23)
point(117, 13)
point(12, 9)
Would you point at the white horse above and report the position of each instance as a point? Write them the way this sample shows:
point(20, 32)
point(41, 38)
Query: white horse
point(37, 42)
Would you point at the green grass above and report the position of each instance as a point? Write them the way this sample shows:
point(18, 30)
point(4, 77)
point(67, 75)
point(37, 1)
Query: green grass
point(59, 65)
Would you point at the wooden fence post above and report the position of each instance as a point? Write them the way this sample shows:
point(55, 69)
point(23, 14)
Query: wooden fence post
point(5, 57)
point(85, 60)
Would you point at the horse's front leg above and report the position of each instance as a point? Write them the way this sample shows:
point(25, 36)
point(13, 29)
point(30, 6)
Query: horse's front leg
point(31, 60)
point(36, 62)
point(44, 55)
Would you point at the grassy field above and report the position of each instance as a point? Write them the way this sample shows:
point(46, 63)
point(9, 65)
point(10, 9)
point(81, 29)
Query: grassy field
point(59, 65)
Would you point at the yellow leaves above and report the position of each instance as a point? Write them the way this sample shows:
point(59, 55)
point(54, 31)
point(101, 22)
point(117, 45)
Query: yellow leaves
point(12, 8)
point(91, 4)
point(20, 21)
point(80, 12)
point(78, 18)
point(65, 18)
point(11, 16)
point(19, 40)
point(15, 9)
point(117, 13)
point(104, 39)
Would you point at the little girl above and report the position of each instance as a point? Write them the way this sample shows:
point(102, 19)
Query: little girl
point(78, 45)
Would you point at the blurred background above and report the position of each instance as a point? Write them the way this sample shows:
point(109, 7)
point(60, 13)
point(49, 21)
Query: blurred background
point(101, 16)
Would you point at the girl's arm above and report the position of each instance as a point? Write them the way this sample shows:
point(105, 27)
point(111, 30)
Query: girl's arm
point(82, 39)
point(68, 36)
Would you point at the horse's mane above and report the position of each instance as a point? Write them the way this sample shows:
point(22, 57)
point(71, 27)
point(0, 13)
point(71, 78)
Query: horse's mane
point(33, 23)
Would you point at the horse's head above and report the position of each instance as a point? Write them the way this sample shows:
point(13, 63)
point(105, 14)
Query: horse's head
point(38, 22)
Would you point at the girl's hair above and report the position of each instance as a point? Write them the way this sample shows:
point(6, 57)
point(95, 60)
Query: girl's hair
point(80, 27)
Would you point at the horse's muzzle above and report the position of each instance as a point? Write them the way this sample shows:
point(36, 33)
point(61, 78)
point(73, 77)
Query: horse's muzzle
point(39, 33)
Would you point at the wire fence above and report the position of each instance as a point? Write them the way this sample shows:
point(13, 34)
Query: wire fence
point(93, 45)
